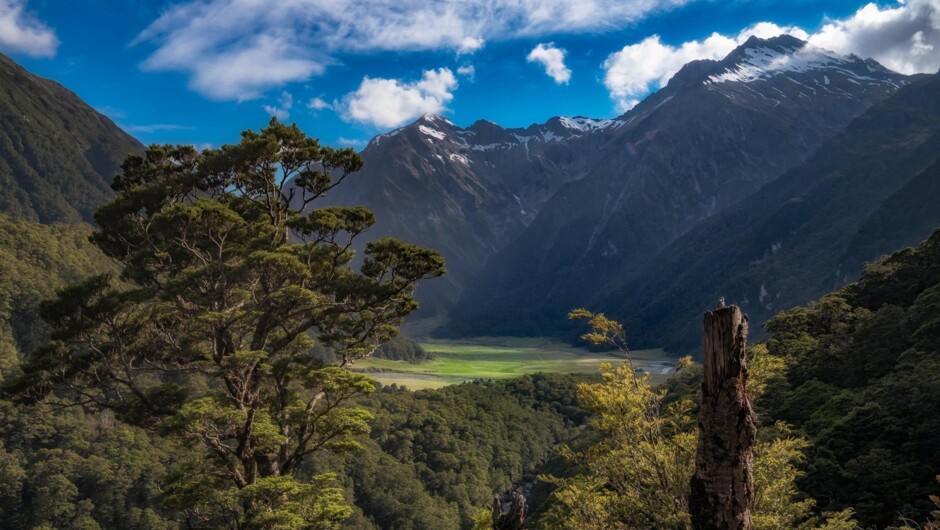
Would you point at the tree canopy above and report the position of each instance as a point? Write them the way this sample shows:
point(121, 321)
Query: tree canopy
point(228, 274)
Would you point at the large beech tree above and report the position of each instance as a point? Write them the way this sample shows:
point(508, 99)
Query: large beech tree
point(229, 272)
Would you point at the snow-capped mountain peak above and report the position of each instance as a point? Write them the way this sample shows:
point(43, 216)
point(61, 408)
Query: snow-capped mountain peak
point(761, 59)
point(582, 124)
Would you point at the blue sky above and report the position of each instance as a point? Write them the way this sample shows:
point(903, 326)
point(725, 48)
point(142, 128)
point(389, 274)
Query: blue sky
point(200, 71)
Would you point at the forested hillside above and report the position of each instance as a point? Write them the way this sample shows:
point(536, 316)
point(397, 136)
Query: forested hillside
point(862, 382)
point(61, 466)
point(57, 154)
point(435, 458)
point(35, 260)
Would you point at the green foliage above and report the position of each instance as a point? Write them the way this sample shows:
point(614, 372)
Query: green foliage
point(862, 384)
point(447, 451)
point(67, 469)
point(636, 475)
point(34, 261)
point(64, 467)
point(402, 348)
point(227, 267)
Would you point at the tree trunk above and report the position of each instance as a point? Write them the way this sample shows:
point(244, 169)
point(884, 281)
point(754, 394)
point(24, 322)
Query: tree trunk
point(723, 484)
point(509, 511)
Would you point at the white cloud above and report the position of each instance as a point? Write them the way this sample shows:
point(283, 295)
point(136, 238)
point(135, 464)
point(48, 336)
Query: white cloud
point(553, 59)
point(351, 142)
point(470, 45)
point(281, 111)
point(639, 68)
point(238, 72)
point(905, 38)
point(237, 49)
point(22, 32)
point(319, 104)
point(467, 71)
point(386, 103)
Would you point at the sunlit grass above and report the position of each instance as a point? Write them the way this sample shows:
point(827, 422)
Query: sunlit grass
point(500, 358)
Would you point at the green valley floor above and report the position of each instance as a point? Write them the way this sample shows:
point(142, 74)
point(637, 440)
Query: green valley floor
point(500, 358)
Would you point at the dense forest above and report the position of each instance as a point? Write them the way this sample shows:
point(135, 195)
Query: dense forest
point(862, 383)
point(846, 389)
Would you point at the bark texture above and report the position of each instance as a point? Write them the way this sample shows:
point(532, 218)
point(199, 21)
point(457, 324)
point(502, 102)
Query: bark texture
point(509, 511)
point(722, 487)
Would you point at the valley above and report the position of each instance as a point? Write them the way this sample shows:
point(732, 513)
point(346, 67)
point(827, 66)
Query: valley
point(301, 330)
point(457, 361)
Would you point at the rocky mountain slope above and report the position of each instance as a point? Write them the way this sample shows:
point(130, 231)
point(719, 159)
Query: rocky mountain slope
point(867, 192)
point(715, 135)
point(57, 155)
point(468, 192)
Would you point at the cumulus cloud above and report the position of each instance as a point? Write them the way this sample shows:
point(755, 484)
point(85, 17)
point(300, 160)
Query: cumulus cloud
point(470, 45)
point(905, 38)
point(281, 111)
point(386, 103)
point(553, 59)
point(237, 49)
point(467, 71)
point(22, 32)
point(319, 104)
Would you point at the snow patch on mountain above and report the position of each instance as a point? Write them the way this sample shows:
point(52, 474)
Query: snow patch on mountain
point(582, 124)
point(378, 139)
point(766, 62)
point(434, 133)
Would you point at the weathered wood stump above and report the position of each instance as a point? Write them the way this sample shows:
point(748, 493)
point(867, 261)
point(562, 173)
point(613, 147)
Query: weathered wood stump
point(722, 487)
point(509, 511)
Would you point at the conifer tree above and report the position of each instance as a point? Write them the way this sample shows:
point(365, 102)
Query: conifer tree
point(229, 272)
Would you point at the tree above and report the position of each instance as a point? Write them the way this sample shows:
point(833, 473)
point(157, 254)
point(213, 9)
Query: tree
point(637, 474)
point(727, 427)
point(227, 271)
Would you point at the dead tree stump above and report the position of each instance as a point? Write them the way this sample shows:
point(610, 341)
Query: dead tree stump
point(723, 485)
point(509, 511)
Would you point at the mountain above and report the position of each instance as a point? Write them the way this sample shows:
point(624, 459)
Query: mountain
point(866, 192)
point(467, 192)
point(717, 133)
point(57, 155)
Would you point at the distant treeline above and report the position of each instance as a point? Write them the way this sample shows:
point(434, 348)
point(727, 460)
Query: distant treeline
point(401, 348)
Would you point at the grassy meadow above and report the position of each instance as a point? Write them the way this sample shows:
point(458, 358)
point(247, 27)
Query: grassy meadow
point(498, 358)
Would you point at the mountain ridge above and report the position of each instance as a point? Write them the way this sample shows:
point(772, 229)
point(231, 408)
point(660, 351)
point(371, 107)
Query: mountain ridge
point(466, 191)
point(867, 192)
point(685, 153)
point(57, 154)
